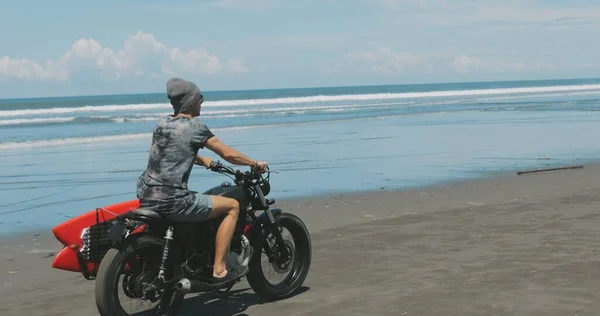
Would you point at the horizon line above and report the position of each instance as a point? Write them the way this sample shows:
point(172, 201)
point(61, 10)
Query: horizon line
point(307, 87)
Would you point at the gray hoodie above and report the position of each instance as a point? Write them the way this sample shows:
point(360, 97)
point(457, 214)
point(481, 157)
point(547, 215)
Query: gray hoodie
point(175, 143)
point(185, 96)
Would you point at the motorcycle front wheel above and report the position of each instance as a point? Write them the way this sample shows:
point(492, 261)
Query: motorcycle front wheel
point(267, 256)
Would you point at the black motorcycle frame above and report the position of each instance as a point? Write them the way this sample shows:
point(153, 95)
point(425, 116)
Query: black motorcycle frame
point(184, 241)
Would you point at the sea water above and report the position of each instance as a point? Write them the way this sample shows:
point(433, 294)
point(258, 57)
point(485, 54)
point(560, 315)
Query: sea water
point(63, 156)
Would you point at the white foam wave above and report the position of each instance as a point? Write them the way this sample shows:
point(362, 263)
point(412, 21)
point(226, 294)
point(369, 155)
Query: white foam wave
point(304, 108)
point(126, 137)
point(89, 108)
point(115, 108)
point(99, 139)
point(404, 95)
point(211, 114)
point(135, 120)
point(72, 141)
point(545, 95)
point(50, 120)
point(59, 120)
point(308, 99)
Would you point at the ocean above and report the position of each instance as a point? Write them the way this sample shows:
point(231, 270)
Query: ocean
point(64, 156)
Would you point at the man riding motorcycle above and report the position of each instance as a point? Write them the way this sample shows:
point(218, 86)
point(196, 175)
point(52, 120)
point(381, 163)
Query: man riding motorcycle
point(162, 187)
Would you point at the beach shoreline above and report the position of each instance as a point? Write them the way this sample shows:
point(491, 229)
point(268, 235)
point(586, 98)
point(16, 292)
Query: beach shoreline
point(425, 240)
point(476, 176)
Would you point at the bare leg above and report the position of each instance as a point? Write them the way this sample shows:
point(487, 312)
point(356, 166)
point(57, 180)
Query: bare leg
point(229, 208)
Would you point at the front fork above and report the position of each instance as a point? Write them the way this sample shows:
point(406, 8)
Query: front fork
point(281, 246)
point(272, 225)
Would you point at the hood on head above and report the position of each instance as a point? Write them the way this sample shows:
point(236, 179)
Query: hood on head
point(185, 96)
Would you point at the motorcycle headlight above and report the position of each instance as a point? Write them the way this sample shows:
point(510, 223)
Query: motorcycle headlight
point(265, 187)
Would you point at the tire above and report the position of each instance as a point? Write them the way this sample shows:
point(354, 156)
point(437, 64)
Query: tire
point(107, 300)
point(300, 267)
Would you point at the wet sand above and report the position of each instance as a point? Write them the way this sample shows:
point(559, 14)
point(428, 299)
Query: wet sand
point(519, 245)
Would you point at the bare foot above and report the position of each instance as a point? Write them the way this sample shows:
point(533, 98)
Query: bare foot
point(220, 274)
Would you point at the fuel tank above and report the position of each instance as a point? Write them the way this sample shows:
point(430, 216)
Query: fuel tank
point(226, 189)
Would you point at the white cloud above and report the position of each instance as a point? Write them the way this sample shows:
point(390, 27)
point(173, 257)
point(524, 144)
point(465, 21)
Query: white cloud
point(473, 64)
point(27, 69)
point(464, 63)
point(244, 4)
point(142, 54)
point(507, 14)
point(400, 4)
point(236, 65)
point(222, 5)
point(383, 60)
point(387, 61)
point(521, 12)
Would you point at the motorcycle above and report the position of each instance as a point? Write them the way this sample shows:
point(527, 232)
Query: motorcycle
point(160, 261)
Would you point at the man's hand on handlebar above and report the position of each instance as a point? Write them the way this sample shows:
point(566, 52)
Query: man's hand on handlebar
point(203, 161)
point(260, 166)
point(214, 165)
point(256, 165)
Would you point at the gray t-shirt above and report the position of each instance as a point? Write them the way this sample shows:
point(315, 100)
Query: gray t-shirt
point(175, 143)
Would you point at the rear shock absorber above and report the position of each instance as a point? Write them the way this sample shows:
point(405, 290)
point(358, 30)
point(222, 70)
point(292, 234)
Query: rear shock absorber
point(163, 263)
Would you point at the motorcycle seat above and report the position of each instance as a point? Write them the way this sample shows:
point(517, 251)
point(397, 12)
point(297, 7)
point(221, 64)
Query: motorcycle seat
point(146, 214)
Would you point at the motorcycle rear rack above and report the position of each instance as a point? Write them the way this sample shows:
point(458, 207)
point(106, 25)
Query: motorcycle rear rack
point(95, 244)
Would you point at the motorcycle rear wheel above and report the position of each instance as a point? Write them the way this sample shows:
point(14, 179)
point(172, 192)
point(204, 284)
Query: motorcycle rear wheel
point(109, 272)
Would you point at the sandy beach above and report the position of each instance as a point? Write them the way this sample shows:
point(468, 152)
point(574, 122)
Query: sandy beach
point(516, 245)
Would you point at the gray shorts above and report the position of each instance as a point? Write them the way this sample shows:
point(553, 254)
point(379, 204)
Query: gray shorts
point(194, 208)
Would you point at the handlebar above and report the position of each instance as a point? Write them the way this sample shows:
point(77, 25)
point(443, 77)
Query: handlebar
point(252, 178)
point(217, 166)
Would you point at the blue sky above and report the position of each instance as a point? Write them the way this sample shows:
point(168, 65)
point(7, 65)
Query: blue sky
point(105, 47)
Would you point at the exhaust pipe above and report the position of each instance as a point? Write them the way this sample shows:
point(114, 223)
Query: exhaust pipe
point(184, 285)
point(187, 286)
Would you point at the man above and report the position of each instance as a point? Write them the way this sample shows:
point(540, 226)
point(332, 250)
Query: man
point(163, 186)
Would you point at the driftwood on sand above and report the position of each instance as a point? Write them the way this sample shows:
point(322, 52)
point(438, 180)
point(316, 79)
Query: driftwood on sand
point(549, 169)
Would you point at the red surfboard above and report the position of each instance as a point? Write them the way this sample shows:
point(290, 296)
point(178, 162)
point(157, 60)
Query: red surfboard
point(69, 232)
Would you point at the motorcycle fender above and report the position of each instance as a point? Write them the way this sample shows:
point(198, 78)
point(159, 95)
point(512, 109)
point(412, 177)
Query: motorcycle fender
point(119, 231)
point(261, 220)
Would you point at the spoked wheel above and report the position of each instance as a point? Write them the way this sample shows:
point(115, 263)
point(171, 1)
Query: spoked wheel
point(124, 276)
point(273, 276)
